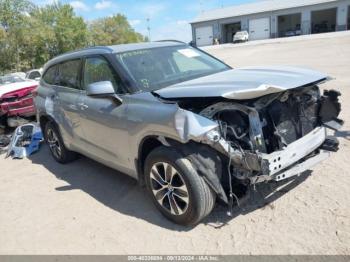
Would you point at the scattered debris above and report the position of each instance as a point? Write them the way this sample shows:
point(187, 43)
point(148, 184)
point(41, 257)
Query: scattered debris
point(25, 141)
point(4, 142)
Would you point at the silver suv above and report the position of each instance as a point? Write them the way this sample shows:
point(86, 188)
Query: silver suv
point(184, 124)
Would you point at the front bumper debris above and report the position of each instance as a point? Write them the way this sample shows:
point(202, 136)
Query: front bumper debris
point(277, 161)
point(301, 167)
point(279, 165)
point(25, 141)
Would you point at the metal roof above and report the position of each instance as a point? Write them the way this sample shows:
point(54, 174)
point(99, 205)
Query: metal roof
point(110, 49)
point(253, 8)
point(144, 45)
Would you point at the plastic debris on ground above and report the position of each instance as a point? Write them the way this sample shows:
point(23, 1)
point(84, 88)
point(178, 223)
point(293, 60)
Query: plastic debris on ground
point(4, 142)
point(25, 141)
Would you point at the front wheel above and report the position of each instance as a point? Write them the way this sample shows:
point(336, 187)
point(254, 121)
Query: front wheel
point(176, 189)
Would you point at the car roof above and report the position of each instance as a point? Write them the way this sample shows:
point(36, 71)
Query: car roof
point(98, 50)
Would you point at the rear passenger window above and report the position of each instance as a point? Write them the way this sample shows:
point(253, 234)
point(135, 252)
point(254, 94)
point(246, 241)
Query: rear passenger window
point(50, 75)
point(98, 69)
point(69, 74)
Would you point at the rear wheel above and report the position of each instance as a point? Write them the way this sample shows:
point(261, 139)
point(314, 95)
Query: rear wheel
point(59, 152)
point(176, 189)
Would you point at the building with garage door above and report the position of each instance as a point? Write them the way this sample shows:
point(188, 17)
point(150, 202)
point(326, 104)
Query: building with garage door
point(270, 19)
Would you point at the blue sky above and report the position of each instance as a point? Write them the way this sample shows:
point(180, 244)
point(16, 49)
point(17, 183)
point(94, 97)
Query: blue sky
point(168, 19)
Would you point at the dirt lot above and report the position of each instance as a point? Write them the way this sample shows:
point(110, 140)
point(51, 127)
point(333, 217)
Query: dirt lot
point(86, 208)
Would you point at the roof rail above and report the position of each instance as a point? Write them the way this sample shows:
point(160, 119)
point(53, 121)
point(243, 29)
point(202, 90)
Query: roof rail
point(171, 40)
point(88, 48)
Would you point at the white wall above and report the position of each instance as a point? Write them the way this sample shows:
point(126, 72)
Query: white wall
point(305, 18)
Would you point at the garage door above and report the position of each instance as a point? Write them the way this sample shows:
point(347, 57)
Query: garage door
point(259, 28)
point(204, 36)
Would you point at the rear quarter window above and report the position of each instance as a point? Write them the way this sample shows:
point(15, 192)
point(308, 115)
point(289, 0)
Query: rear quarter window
point(50, 75)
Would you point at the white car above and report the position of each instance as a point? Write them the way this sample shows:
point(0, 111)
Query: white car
point(34, 74)
point(16, 74)
point(241, 36)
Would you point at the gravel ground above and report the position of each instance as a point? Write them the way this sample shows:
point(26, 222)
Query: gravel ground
point(86, 208)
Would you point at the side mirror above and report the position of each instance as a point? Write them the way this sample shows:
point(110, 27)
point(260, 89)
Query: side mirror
point(102, 89)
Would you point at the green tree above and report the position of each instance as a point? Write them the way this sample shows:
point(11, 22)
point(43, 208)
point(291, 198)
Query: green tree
point(32, 35)
point(68, 30)
point(112, 31)
point(13, 14)
point(37, 42)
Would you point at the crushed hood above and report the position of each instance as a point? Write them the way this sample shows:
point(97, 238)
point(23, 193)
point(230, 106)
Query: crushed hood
point(244, 83)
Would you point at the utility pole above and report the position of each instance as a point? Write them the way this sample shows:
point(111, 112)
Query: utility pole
point(148, 29)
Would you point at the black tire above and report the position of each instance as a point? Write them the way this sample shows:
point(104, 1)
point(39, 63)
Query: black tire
point(64, 155)
point(201, 198)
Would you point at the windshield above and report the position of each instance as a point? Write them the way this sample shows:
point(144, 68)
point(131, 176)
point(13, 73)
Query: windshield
point(156, 68)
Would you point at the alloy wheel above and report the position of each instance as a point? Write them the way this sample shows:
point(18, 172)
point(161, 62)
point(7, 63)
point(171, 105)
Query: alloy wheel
point(53, 142)
point(169, 188)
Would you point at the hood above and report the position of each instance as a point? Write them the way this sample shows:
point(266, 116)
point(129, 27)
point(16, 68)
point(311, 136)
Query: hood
point(244, 83)
point(16, 86)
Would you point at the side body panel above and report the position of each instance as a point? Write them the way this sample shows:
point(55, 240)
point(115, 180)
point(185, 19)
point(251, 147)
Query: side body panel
point(148, 116)
point(61, 104)
point(67, 115)
point(105, 131)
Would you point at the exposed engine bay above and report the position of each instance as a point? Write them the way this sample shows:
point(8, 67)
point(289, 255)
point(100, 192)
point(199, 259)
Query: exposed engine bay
point(262, 136)
point(282, 118)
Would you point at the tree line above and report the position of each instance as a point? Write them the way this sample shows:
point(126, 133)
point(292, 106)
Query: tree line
point(30, 35)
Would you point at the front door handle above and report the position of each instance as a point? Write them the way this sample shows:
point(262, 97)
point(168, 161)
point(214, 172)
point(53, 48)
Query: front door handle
point(83, 106)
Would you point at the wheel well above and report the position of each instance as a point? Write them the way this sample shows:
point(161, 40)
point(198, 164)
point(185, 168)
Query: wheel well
point(146, 146)
point(206, 161)
point(43, 120)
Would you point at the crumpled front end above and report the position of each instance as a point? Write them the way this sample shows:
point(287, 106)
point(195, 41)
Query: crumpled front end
point(265, 123)
point(271, 137)
point(276, 136)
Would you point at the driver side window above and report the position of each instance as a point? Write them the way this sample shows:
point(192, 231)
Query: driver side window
point(98, 69)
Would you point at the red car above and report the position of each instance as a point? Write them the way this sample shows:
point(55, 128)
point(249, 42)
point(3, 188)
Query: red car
point(16, 100)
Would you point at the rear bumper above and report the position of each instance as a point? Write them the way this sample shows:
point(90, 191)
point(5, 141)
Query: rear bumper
point(239, 40)
point(20, 107)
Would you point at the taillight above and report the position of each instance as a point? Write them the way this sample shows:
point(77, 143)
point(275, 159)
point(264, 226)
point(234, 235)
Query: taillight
point(35, 91)
point(19, 93)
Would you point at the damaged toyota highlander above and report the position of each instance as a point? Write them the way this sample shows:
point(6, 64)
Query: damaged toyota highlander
point(184, 124)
